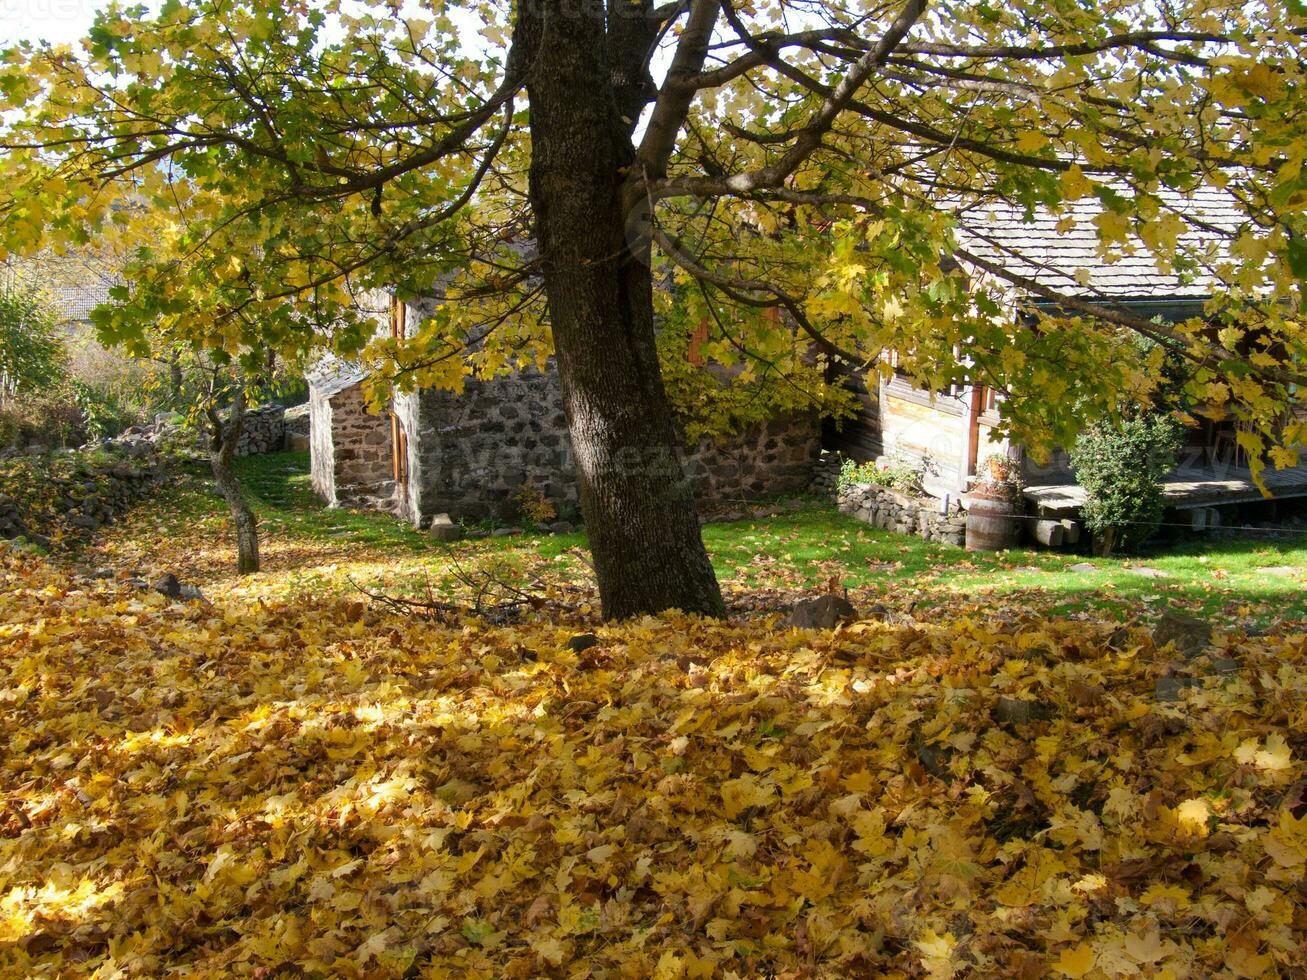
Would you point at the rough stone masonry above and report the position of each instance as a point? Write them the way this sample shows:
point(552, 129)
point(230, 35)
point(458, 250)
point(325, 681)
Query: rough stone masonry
point(474, 449)
point(893, 511)
point(469, 453)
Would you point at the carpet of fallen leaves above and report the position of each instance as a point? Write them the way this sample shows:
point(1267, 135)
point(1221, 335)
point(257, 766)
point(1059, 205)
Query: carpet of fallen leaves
point(270, 788)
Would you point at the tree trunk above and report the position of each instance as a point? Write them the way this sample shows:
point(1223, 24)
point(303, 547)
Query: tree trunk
point(636, 499)
point(223, 437)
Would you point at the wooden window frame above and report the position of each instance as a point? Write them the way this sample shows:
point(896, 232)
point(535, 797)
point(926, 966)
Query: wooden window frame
point(398, 437)
point(898, 386)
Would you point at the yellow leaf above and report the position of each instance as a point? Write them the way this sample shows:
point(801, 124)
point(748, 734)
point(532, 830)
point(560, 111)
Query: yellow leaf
point(1192, 816)
point(1075, 961)
point(1031, 141)
point(549, 949)
point(741, 794)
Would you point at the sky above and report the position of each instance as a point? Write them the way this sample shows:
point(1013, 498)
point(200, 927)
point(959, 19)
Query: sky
point(60, 21)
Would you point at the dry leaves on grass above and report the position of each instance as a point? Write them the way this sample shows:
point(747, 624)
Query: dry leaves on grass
point(259, 788)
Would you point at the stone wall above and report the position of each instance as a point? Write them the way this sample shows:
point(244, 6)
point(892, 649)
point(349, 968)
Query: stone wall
point(471, 451)
point(350, 451)
point(65, 496)
point(298, 424)
point(263, 431)
point(773, 460)
point(893, 511)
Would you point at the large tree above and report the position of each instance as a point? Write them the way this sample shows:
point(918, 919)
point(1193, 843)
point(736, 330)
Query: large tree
point(566, 169)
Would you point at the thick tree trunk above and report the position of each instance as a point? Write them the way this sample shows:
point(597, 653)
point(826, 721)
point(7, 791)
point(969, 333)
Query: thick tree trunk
point(223, 437)
point(637, 502)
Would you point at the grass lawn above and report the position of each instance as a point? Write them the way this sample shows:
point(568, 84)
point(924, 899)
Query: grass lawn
point(308, 546)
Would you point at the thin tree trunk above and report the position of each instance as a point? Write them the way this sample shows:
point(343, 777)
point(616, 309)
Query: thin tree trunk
point(224, 436)
point(636, 500)
point(1105, 542)
point(175, 381)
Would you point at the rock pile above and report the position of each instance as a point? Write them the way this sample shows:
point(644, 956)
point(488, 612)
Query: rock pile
point(82, 499)
point(140, 441)
point(12, 524)
point(826, 474)
point(894, 511)
point(95, 494)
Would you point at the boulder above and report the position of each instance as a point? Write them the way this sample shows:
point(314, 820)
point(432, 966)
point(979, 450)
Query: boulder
point(823, 612)
point(443, 528)
point(1191, 636)
point(168, 585)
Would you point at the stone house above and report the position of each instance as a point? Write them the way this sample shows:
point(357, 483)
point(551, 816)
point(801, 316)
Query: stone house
point(469, 454)
point(952, 431)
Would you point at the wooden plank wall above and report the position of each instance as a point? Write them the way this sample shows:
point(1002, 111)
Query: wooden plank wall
point(859, 437)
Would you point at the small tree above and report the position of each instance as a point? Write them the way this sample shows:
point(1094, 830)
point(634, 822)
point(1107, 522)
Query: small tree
point(32, 355)
point(1121, 465)
point(213, 392)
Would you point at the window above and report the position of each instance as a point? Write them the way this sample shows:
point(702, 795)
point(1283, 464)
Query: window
point(947, 399)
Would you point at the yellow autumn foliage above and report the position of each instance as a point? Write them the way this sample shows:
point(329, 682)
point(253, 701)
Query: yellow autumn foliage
point(264, 787)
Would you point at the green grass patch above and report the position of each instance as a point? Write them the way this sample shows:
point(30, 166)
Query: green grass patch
point(802, 549)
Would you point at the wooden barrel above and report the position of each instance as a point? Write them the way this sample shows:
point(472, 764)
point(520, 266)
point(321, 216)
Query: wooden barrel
point(992, 525)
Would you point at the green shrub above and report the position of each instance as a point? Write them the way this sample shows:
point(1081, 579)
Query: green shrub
point(896, 472)
point(32, 354)
point(1121, 465)
point(105, 412)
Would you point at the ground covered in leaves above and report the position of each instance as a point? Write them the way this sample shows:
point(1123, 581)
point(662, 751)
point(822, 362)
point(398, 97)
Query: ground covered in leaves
point(315, 786)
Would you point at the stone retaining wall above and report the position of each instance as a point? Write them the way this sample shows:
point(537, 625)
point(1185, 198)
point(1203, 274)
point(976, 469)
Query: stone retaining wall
point(893, 511)
point(263, 431)
point(76, 502)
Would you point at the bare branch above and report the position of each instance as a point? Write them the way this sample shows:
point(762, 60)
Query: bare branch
point(678, 89)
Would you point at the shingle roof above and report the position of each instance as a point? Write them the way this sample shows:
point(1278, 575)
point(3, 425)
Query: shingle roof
point(330, 375)
point(74, 284)
point(1052, 256)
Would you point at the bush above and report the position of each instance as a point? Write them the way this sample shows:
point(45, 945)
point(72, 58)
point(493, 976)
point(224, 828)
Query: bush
point(32, 354)
point(49, 421)
point(896, 472)
point(1121, 466)
point(532, 505)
